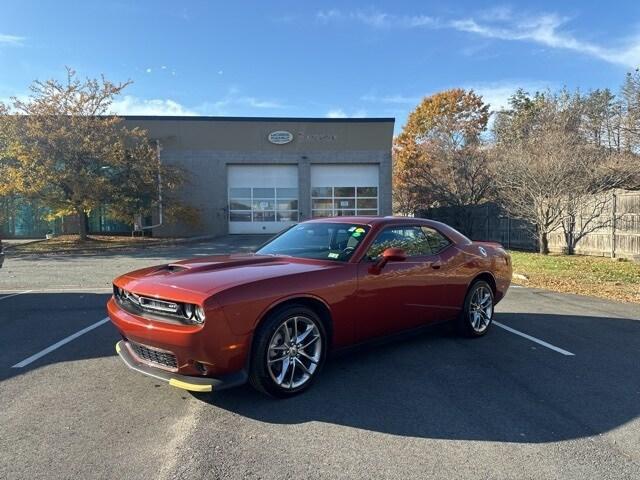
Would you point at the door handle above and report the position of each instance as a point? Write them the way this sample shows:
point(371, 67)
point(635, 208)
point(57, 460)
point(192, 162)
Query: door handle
point(436, 265)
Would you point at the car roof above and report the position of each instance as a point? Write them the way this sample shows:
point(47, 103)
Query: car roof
point(367, 220)
point(374, 222)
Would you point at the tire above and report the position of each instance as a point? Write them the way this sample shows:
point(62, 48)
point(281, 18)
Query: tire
point(475, 318)
point(280, 367)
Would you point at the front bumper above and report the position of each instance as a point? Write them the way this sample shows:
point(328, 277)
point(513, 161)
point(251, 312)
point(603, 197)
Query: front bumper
point(194, 384)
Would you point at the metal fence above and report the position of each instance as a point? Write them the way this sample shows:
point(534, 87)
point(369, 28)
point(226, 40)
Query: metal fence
point(619, 238)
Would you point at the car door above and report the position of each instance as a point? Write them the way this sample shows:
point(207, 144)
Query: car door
point(402, 294)
point(450, 279)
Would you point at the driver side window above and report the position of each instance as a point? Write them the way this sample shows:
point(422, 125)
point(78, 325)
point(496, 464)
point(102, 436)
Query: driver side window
point(411, 239)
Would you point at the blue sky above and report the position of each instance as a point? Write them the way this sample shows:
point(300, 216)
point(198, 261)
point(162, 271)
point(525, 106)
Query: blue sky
point(316, 59)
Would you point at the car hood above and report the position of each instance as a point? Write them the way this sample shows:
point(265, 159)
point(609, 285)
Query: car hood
point(199, 278)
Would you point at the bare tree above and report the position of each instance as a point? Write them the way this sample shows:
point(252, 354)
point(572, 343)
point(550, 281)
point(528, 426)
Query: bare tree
point(587, 205)
point(536, 154)
point(558, 158)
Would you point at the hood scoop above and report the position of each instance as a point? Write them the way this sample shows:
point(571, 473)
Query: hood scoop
point(172, 268)
point(203, 265)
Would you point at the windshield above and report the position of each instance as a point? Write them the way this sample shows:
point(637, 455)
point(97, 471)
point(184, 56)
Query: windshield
point(323, 241)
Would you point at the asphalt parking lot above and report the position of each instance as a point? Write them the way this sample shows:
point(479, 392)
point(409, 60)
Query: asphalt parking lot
point(553, 391)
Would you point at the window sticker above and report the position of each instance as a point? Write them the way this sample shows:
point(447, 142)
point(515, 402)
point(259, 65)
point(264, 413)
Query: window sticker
point(351, 229)
point(333, 255)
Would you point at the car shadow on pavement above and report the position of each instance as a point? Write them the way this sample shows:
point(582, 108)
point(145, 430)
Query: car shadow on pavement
point(497, 388)
point(32, 322)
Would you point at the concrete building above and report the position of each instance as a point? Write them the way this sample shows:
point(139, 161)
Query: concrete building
point(260, 175)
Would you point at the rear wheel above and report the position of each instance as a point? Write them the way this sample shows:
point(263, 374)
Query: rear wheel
point(477, 313)
point(289, 351)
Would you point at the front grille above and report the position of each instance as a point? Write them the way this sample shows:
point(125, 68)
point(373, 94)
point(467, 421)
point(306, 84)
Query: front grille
point(158, 357)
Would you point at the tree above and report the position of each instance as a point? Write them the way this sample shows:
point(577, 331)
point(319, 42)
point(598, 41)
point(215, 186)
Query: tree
point(536, 153)
point(439, 159)
point(557, 161)
point(602, 120)
point(63, 147)
point(588, 203)
point(630, 106)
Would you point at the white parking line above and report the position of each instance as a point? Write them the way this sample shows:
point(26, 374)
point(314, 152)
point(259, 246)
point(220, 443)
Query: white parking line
point(57, 345)
point(54, 290)
point(533, 339)
point(15, 294)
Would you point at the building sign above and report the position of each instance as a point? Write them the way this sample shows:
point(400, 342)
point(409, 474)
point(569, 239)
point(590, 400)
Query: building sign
point(280, 137)
point(317, 137)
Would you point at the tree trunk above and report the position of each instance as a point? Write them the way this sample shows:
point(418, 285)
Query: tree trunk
point(571, 246)
point(82, 223)
point(543, 243)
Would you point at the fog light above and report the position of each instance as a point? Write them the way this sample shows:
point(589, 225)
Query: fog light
point(201, 368)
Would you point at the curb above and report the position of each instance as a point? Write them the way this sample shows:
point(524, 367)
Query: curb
point(105, 250)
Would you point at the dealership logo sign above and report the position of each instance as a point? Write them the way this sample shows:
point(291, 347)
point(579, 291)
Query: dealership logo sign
point(280, 137)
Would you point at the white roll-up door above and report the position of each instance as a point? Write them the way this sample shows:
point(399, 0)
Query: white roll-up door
point(342, 190)
point(262, 198)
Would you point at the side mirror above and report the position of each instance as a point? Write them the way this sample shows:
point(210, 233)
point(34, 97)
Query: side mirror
point(389, 255)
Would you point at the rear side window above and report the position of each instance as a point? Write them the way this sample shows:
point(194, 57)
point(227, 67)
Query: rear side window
point(411, 239)
point(437, 242)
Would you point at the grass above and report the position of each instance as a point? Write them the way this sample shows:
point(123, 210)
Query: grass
point(72, 243)
point(595, 276)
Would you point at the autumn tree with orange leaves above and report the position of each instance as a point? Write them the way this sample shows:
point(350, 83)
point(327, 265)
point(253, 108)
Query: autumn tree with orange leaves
point(62, 147)
point(439, 159)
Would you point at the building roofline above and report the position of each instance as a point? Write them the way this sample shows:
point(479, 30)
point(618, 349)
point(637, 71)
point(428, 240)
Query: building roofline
point(259, 119)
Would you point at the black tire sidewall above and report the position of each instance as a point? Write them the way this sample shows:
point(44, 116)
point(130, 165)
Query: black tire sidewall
point(259, 374)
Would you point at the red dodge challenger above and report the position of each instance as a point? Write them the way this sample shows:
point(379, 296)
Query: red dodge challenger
point(273, 316)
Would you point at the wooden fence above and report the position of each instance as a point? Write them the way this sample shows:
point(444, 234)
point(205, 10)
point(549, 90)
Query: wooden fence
point(619, 238)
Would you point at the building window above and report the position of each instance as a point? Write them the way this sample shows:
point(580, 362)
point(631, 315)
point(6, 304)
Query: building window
point(263, 204)
point(344, 201)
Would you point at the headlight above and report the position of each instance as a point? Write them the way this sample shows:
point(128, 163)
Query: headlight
point(194, 313)
point(200, 314)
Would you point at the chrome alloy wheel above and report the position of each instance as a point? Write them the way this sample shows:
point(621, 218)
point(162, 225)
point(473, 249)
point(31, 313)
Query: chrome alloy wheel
point(294, 352)
point(481, 309)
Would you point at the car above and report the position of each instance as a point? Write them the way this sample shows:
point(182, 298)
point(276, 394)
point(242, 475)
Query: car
point(1, 254)
point(273, 316)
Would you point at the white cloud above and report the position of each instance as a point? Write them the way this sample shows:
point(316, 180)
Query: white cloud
point(13, 40)
point(377, 19)
point(391, 99)
point(546, 29)
point(233, 102)
point(497, 94)
point(336, 113)
point(501, 23)
point(129, 105)
point(148, 70)
point(340, 113)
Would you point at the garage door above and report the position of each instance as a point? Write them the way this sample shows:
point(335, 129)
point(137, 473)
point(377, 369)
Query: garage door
point(340, 190)
point(262, 198)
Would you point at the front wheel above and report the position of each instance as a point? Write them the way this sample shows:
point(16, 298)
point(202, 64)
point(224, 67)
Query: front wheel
point(289, 351)
point(477, 313)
